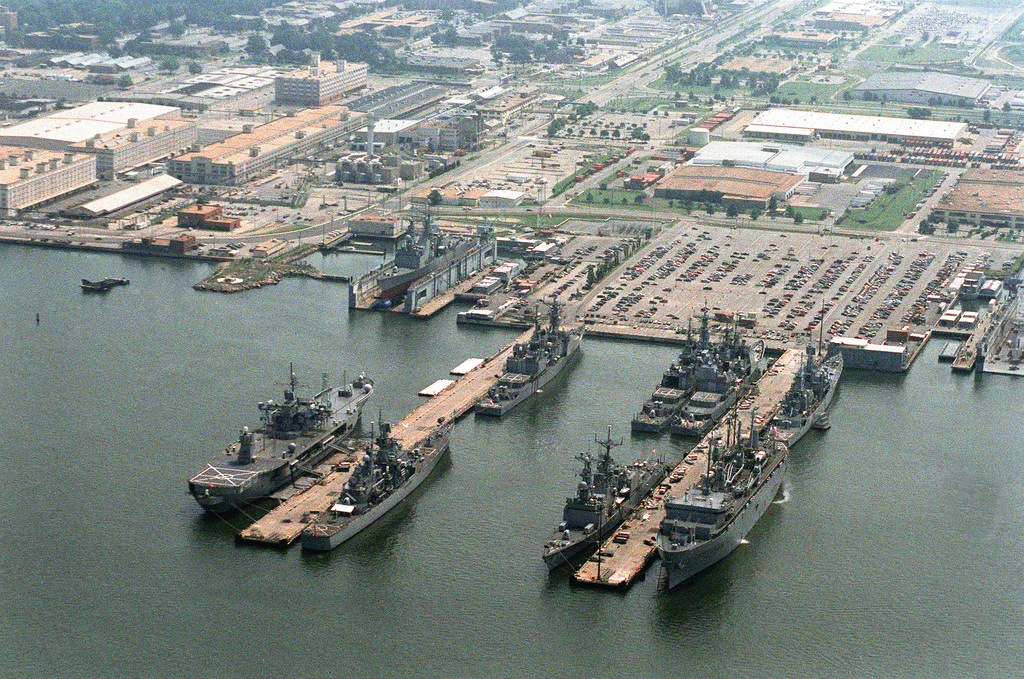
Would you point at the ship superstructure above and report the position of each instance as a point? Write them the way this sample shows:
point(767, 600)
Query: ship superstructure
point(724, 372)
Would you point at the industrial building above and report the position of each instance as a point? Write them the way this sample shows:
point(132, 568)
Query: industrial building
point(819, 164)
point(208, 217)
point(29, 177)
point(860, 354)
point(320, 83)
point(924, 88)
point(261, 148)
point(119, 200)
point(61, 130)
point(134, 145)
point(793, 125)
point(232, 87)
point(376, 225)
point(985, 198)
point(739, 186)
point(389, 132)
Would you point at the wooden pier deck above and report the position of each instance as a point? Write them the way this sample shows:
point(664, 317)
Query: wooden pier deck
point(620, 564)
point(967, 357)
point(282, 525)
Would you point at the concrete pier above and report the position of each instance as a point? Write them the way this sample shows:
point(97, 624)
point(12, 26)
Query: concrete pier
point(283, 524)
point(624, 557)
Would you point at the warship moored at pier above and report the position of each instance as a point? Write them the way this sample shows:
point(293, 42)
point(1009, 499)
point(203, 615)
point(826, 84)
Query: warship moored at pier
point(604, 498)
point(806, 403)
point(384, 476)
point(294, 436)
point(425, 264)
point(707, 522)
point(533, 364)
point(723, 372)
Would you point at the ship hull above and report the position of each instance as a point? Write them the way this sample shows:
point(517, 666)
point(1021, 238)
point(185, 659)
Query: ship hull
point(320, 539)
point(497, 409)
point(682, 564)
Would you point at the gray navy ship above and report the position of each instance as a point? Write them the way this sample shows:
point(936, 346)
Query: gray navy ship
point(533, 364)
point(294, 436)
point(604, 498)
point(725, 373)
point(429, 253)
point(806, 403)
point(707, 522)
point(384, 476)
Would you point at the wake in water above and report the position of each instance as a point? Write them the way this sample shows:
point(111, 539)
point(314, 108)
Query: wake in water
point(784, 497)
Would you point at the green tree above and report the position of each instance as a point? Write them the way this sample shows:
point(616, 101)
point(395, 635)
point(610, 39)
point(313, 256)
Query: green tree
point(170, 63)
point(798, 217)
point(773, 205)
point(195, 68)
point(434, 197)
point(755, 213)
point(1006, 106)
point(256, 45)
point(125, 82)
point(176, 29)
point(639, 199)
point(731, 210)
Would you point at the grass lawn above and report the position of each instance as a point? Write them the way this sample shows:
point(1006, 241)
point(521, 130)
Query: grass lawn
point(912, 54)
point(638, 104)
point(811, 214)
point(804, 90)
point(614, 198)
point(1013, 53)
point(889, 210)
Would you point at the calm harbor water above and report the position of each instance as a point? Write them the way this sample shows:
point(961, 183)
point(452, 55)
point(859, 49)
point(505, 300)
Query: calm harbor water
point(896, 549)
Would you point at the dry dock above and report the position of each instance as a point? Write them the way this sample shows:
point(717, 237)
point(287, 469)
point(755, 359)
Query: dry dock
point(282, 525)
point(619, 564)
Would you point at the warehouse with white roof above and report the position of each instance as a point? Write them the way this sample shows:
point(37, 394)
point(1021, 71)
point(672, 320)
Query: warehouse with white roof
point(922, 87)
point(61, 129)
point(774, 157)
point(788, 124)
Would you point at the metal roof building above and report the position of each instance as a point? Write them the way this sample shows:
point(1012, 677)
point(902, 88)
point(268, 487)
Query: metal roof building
point(60, 130)
point(129, 196)
point(924, 88)
point(773, 157)
point(774, 123)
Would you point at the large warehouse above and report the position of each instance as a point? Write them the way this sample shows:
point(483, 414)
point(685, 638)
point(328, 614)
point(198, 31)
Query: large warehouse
point(739, 186)
point(63, 129)
point(924, 88)
point(985, 198)
point(787, 124)
point(258, 149)
point(29, 177)
point(774, 157)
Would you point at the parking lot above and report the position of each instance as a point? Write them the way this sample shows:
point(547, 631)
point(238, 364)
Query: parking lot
point(798, 285)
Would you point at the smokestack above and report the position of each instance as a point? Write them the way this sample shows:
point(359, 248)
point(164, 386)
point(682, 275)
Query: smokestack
point(370, 122)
